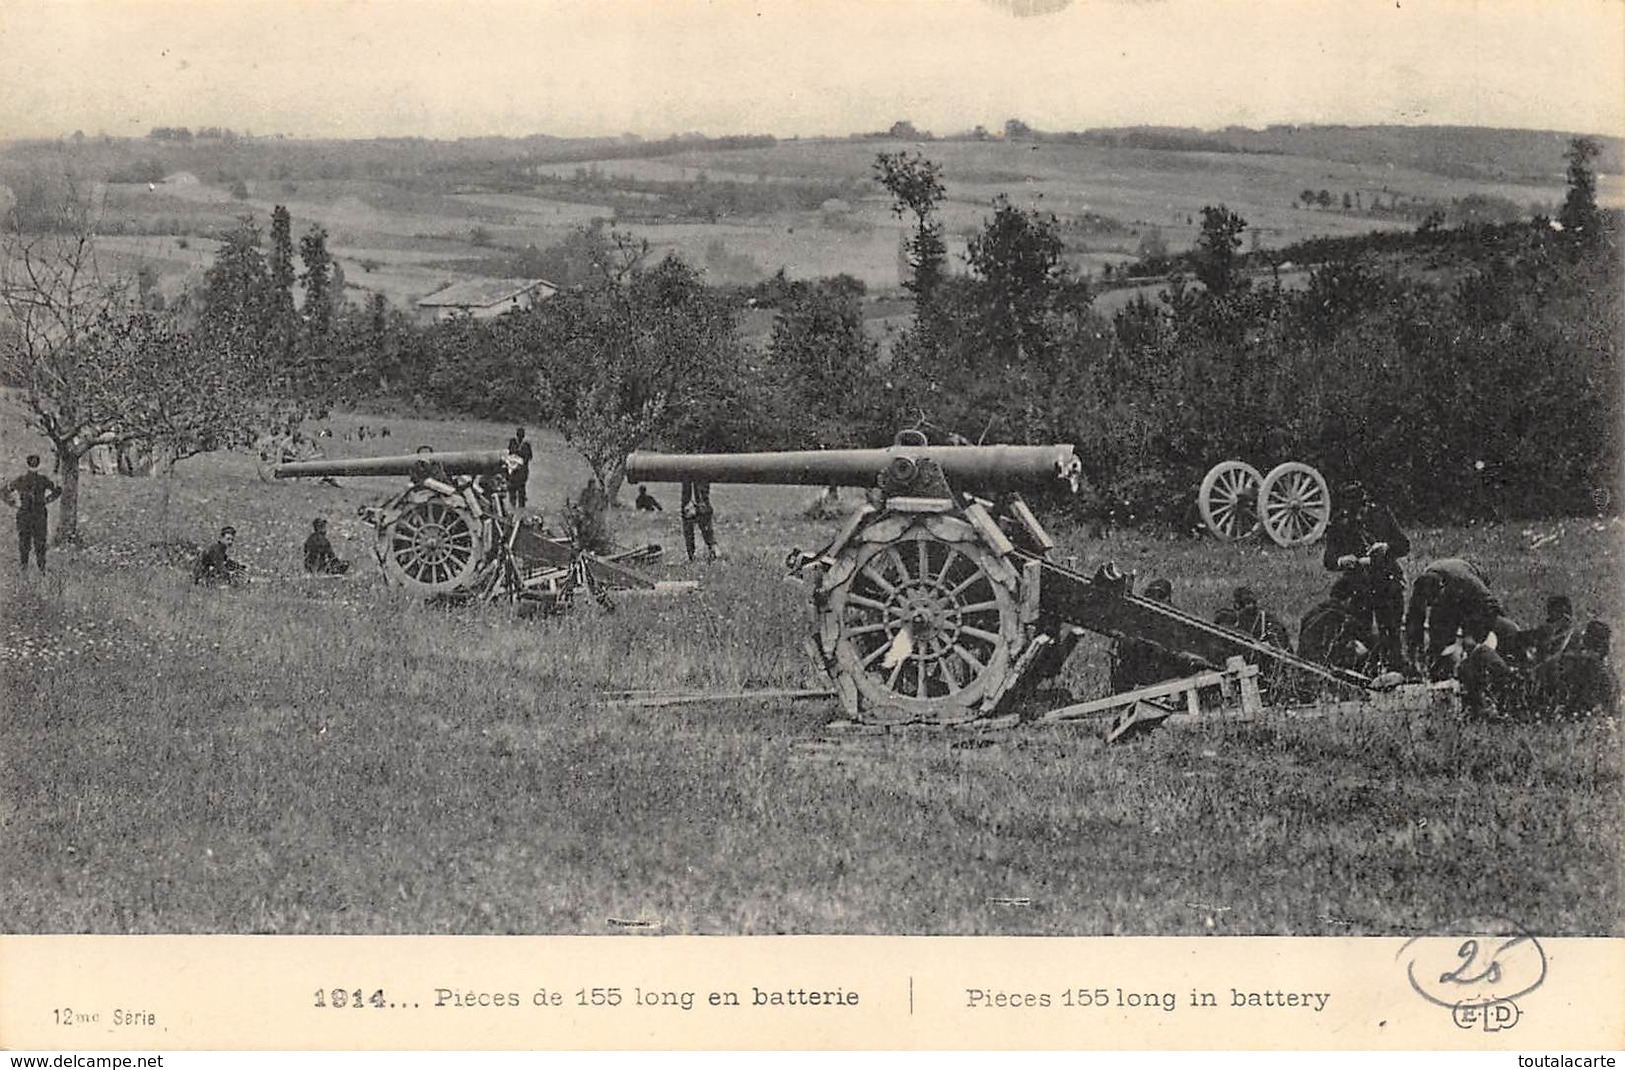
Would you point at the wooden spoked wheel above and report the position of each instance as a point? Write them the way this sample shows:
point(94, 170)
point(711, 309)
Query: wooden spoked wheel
point(1294, 504)
point(924, 626)
point(432, 547)
point(1228, 500)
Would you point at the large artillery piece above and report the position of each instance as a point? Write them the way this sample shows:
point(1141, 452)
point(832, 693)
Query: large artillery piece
point(938, 600)
point(451, 533)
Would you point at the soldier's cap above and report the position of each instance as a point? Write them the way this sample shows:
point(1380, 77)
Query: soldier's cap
point(1559, 605)
point(1161, 590)
point(318, 523)
point(1596, 637)
point(228, 530)
point(1245, 596)
point(1351, 494)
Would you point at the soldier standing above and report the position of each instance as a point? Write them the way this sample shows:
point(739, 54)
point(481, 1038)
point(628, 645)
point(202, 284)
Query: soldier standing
point(1365, 543)
point(520, 476)
point(30, 493)
point(697, 512)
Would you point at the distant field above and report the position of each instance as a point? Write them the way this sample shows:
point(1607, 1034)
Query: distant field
point(326, 756)
point(378, 228)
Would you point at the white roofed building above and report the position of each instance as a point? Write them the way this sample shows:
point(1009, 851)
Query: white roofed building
point(485, 298)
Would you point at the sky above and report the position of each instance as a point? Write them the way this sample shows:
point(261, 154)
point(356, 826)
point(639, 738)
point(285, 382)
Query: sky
point(463, 68)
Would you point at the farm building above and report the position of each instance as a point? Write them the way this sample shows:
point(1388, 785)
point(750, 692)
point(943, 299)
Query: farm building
point(485, 298)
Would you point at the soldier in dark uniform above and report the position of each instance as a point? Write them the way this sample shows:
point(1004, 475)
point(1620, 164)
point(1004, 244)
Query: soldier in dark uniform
point(1490, 686)
point(319, 555)
point(1552, 636)
point(1579, 681)
point(647, 503)
point(1452, 598)
point(1244, 614)
point(1138, 663)
point(30, 493)
point(1365, 543)
point(215, 567)
point(519, 478)
point(1333, 634)
point(697, 512)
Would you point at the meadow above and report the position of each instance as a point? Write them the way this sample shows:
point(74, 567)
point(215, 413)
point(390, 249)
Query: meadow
point(329, 756)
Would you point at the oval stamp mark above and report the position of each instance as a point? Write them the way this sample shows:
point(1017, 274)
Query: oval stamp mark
point(1476, 969)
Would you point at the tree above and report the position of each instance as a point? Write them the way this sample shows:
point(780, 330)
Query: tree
point(1016, 130)
point(823, 362)
point(633, 357)
point(281, 315)
point(317, 280)
point(1579, 212)
point(97, 369)
point(1018, 258)
point(237, 283)
point(59, 300)
point(915, 184)
point(1215, 254)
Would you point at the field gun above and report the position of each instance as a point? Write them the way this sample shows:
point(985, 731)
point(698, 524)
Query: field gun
point(938, 601)
point(451, 532)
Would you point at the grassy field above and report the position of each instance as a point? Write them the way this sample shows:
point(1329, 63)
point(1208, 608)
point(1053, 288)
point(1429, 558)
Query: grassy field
point(326, 756)
point(394, 238)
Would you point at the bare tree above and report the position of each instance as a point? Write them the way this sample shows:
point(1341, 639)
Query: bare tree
point(61, 306)
point(95, 369)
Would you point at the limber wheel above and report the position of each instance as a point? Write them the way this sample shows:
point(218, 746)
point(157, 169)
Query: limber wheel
point(1228, 500)
point(1294, 504)
point(924, 626)
point(432, 547)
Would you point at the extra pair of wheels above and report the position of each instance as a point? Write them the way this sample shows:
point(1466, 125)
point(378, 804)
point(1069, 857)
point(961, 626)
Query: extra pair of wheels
point(1292, 504)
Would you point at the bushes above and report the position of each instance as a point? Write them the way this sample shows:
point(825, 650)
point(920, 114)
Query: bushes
point(1492, 391)
point(1495, 397)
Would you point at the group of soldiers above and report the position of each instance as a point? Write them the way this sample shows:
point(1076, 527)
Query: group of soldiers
point(215, 567)
point(1454, 625)
point(697, 513)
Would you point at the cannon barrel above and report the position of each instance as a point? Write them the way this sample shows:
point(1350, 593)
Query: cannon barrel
point(467, 463)
point(979, 467)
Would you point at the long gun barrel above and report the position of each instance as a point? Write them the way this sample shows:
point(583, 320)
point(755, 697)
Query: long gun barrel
point(468, 463)
point(979, 467)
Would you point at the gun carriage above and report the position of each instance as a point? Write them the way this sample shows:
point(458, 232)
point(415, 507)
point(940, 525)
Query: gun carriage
point(1292, 503)
point(938, 601)
point(451, 532)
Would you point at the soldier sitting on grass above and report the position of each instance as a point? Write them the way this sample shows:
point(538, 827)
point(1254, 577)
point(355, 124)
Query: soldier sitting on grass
point(1137, 663)
point(1244, 614)
point(1552, 636)
point(1336, 633)
point(319, 556)
point(1580, 682)
point(215, 567)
